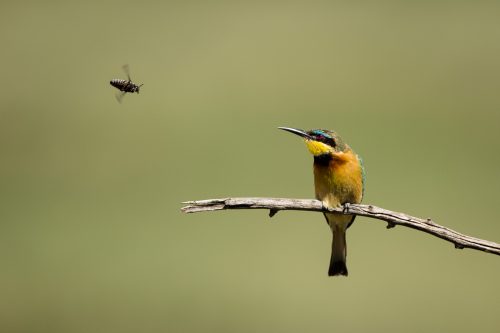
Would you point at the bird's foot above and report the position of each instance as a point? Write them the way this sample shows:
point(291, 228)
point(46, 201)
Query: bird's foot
point(345, 208)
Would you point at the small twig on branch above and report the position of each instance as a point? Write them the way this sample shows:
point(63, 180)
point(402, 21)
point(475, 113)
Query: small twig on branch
point(392, 218)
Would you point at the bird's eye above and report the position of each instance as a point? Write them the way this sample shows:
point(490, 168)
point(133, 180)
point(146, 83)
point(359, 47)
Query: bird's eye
point(328, 140)
point(322, 137)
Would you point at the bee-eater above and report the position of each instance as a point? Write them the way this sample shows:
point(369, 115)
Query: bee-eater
point(338, 179)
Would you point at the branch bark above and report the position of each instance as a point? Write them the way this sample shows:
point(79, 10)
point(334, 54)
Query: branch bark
point(392, 218)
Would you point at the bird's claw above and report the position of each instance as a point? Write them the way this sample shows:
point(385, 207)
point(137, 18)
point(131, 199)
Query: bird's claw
point(345, 208)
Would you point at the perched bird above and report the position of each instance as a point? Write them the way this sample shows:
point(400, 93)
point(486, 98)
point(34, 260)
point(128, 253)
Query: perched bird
point(338, 180)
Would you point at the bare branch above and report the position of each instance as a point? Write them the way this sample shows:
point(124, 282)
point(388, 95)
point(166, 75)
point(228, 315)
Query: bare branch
point(392, 218)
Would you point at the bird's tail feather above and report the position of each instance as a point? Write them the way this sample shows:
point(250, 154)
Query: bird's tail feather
point(338, 258)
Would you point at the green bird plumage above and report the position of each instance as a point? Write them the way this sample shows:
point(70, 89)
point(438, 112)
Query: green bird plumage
point(338, 179)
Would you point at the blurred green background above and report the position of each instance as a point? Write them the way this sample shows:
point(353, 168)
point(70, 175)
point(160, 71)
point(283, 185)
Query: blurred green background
point(91, 234)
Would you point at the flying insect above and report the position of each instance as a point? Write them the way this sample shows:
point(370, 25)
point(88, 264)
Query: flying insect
point(125, 86)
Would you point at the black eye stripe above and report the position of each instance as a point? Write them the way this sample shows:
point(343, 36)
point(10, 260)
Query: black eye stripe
point(319, 135)
point(327, 140)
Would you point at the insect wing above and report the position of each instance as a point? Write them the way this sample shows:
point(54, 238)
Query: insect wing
point(127, 71)
point(119, 96)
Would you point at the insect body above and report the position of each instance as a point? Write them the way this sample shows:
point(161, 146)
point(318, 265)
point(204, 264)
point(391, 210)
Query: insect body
point(125, 86)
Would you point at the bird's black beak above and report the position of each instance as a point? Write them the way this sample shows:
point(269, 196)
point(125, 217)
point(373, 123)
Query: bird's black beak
point(297, 131)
